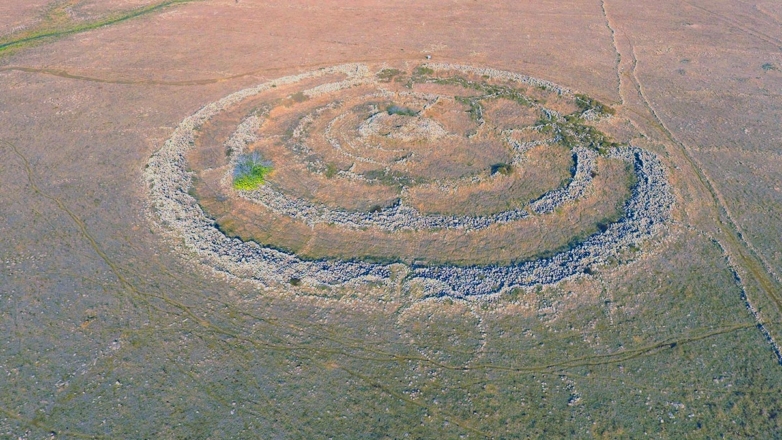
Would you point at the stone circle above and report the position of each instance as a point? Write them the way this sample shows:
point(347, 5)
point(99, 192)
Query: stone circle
point(371, 129)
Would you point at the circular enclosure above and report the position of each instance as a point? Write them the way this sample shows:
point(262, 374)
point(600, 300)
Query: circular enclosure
point(444, 179)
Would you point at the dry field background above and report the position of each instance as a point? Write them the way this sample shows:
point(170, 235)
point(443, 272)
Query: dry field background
point(105, 331)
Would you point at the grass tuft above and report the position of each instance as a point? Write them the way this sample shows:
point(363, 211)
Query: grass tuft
point(386, 75)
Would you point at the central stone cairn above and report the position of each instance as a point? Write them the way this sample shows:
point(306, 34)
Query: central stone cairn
point(385, 163)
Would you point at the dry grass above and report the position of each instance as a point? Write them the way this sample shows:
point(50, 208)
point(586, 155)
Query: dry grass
point(110, 332)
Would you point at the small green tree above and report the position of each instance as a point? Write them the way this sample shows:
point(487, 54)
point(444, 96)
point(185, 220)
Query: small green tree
point(250, 171)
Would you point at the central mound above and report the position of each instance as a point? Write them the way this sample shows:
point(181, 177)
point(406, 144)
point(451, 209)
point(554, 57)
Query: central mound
point(407, 128)
point(443, 168)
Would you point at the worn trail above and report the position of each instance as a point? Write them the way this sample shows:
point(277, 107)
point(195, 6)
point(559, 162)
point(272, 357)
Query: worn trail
point(742, 251)
point(610, 27)
point(42, 33)
point(62, 73)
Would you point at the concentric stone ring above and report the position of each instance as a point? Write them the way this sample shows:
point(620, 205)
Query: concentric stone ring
point(440, 171)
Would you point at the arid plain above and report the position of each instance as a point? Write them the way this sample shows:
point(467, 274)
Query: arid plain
point(113, 326)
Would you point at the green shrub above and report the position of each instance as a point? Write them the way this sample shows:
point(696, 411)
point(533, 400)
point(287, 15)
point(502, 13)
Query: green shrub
point(397, 110)
point(250, 171)
point(503, 168)
point(386, 75)
point(421, 70)
point(331, 170)
point(585, 103)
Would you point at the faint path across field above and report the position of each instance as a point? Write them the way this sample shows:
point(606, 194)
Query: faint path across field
point(740, 251)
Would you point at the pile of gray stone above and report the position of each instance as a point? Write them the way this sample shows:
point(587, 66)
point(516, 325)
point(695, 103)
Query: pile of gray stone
point(646, 214)
point(586, 164)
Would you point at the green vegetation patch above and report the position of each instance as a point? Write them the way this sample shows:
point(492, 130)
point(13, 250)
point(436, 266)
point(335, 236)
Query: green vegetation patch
point(488, 91)
point(474, 106)
point(386, 75)
point(502, 168)
point(585, 103)
point(251, 171)
point(331, 170)
point(573, 131)
point(422, 70)
point(299, 97)
point(399, 110)
point(391, 178)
